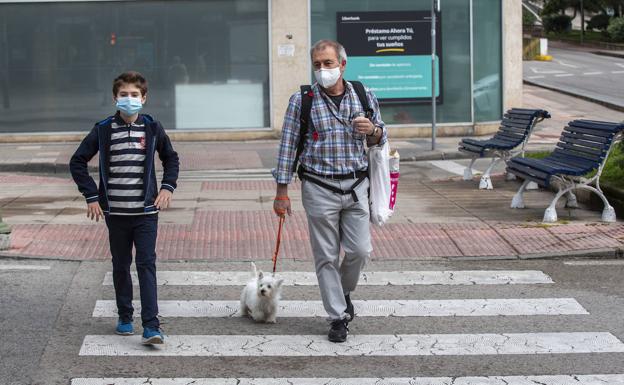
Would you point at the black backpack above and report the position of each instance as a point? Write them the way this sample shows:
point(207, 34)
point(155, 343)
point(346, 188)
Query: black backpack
point(306, 108)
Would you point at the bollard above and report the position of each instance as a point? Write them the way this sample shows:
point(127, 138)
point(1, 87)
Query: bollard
point(5, 233)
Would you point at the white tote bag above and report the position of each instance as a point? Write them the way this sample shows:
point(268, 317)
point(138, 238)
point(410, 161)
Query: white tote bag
point(381, 197)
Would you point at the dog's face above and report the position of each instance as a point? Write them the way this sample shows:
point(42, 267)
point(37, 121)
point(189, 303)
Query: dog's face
point(268, 285)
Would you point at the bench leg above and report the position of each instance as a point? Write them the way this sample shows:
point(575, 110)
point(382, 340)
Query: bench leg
point(486, 181)
point(532, 186)
point(550, 215)
point(509, 176)
point(608, 213)
point(468, 170)
point(518, 201)
point(571, 202)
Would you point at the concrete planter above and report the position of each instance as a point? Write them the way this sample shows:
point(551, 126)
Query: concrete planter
point(5, 241)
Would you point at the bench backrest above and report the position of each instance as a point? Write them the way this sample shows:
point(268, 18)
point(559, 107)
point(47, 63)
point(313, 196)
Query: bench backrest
point(586, 143)
point(517, 124)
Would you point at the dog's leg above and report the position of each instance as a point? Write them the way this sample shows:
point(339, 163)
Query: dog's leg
point(258, 316)
point(272, 314)
point(244, 310)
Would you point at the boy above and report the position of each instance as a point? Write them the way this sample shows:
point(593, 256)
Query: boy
point(127, 197)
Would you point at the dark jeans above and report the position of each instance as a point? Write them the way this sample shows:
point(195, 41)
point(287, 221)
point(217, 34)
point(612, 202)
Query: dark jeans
point(140, 231)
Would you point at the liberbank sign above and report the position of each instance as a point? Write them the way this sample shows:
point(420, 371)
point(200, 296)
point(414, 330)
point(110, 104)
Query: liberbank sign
point(390, 52)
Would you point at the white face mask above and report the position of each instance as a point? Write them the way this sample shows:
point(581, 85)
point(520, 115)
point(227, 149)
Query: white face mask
point(327, 77)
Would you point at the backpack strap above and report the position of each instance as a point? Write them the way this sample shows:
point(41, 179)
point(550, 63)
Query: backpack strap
point(304, 118)
point(361, 93)
point(306, 107)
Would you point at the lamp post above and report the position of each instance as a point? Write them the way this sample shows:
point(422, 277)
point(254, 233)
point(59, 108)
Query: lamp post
point(435, 6)
point(582, 22)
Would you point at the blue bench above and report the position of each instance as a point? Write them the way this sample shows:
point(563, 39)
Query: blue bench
point(583, 147)
point(512, 136)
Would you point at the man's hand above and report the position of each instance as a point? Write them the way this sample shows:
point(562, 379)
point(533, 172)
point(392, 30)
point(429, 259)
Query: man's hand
point(163, 200)
point(363, 126)
point(281, 206)
point(94, 211)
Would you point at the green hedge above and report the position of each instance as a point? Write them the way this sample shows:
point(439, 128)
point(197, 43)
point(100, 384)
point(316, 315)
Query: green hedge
point(616, 29)
point(613, 173)
point(599, 22)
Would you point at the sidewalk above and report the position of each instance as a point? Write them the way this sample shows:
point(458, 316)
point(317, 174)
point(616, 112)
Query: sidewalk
point(233, 220)
point(228, 219)
point(196, 156)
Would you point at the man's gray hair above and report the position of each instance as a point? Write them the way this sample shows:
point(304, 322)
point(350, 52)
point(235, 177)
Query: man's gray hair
point(322, 44)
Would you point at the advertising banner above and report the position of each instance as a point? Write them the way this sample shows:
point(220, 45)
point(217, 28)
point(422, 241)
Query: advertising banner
point(390, 52)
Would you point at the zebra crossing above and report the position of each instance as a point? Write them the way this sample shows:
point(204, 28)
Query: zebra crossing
point(384, 343)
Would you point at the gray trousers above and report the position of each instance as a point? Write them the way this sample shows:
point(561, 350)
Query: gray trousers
point(336, 221)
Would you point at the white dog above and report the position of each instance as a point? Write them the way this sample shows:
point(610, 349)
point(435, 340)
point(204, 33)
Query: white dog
point(260, 298)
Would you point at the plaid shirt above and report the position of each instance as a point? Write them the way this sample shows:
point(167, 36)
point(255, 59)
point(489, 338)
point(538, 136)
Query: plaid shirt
point(331, 147)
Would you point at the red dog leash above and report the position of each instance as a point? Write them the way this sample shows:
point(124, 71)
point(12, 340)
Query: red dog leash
point(277, 243)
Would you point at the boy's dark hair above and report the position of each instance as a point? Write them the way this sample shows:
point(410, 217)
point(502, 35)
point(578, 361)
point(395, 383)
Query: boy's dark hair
point(130, 77)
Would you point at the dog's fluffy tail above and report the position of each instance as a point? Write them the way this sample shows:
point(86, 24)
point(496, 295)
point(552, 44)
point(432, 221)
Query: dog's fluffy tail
point(254, 270)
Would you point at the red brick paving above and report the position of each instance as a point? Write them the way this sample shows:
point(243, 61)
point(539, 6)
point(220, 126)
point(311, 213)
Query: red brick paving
point(245, 185)
point(243, 235)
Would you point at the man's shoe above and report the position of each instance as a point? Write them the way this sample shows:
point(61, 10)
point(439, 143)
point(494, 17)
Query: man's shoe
point(350, 310)
point(152, 336)
point(124, 328)
point(338, 331)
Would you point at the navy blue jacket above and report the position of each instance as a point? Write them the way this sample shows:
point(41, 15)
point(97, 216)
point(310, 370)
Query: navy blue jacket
point(99, 140)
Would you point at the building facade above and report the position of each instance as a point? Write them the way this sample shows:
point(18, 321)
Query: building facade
point(224, 69)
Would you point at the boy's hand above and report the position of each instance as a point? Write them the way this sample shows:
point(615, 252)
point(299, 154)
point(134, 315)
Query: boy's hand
point(94, 211)
point(163, 199)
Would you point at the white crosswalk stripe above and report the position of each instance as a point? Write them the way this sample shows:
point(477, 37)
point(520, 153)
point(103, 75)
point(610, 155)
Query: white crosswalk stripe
point(597, 379)
point(375, 278)
point(23, 267)
point(450, 166)
point(356, 345)
point(613, 262)
point(378, 308)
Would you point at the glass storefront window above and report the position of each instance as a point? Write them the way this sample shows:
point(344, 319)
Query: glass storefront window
point(487, 60)
point(207, 62)
point(455, 22)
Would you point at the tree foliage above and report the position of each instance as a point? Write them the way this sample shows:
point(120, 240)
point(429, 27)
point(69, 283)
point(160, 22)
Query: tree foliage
point(596, 6)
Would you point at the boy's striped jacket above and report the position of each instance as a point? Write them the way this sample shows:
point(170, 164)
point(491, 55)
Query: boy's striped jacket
point(99, 140)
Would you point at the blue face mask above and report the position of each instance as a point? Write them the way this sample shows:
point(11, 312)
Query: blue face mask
point(129, 106)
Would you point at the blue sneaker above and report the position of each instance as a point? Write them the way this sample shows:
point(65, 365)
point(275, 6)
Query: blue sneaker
point(124, 328)
point(152, 336)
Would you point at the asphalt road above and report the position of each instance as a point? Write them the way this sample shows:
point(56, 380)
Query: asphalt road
point(595, 76)
point(48, 320)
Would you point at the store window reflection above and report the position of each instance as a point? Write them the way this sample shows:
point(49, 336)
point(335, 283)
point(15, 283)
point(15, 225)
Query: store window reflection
point(206, 61)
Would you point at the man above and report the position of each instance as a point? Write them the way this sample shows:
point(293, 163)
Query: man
point(333, 167)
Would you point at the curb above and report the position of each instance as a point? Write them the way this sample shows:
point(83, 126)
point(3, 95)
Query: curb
point(604, 253)
point(593, 254)
point(604, 103)
point(617, 54)
point(41, 168)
